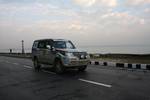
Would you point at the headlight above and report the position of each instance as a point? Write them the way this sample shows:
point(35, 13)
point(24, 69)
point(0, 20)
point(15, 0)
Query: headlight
point(87, 56)
point(71, 56)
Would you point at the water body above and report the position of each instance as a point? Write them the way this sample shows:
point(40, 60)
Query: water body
point(126, 49)
point(123, 49)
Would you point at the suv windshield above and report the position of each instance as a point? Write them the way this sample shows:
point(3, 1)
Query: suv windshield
point(64, 44)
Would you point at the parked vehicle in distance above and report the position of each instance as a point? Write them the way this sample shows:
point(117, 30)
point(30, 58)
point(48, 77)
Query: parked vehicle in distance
point(59, 53)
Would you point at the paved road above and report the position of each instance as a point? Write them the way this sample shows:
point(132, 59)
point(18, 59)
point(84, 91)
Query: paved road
point(18, 81)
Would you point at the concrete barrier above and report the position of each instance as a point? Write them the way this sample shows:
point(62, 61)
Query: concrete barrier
point(129, 65)
point(122, 65)
point(105, 64)
point(143, 66)
point(138, 66)
point(148, 67)
point(96, 63)
point(111, 64)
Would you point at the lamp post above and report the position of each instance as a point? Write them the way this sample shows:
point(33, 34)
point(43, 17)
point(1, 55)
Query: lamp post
point(22, 46)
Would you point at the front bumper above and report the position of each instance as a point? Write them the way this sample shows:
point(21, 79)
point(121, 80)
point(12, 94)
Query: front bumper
point(73, 63)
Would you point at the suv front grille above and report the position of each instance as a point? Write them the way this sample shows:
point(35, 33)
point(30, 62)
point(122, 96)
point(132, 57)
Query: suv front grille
point(80, 55)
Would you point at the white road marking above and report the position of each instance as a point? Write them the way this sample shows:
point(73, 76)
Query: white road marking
point(15, 63)
point(48, 72)
point(96, 83)
point(7, 61)
point(27, 66)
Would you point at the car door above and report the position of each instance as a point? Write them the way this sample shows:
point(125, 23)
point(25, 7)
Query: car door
point(49, 54)
point(41, 51)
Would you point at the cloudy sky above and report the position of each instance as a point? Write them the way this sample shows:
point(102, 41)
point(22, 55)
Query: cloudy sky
point(85, 22)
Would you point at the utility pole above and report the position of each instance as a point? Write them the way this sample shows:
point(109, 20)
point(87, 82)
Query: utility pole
point(10, 50)
point(22, 46)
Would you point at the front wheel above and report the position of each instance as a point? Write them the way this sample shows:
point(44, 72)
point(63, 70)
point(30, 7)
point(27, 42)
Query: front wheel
point(82, 68)
point(59, 68)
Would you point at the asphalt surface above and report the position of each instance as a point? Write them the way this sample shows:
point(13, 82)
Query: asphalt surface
point(18, 81)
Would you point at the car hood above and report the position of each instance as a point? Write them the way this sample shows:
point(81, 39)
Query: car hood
point(70, 50)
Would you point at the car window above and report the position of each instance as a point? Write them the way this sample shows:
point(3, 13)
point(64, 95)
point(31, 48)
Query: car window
point(64, 45)
point(42, 44)
point(59, 44)
point(48, 42)
point(69, 45)
point(35, 45)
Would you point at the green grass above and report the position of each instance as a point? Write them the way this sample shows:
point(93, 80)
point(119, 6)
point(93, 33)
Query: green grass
point(122, 58)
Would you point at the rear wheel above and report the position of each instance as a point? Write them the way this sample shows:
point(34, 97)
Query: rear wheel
point(82, 68)
point(37, 65)
point(59, 68)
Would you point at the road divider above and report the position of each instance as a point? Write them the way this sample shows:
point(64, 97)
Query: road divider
point(122, 65)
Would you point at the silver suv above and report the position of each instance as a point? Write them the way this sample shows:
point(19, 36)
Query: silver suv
point(59, 53)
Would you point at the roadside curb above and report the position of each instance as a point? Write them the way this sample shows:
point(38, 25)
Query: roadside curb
point(17, 56)
point(122, 65)
point(111, 64)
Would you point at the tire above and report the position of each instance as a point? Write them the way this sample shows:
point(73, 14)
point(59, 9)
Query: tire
point(82, 68)
point(36, 64)
point(59, 68)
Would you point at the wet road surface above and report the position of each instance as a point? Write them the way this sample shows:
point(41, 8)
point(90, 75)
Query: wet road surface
point(19, 81)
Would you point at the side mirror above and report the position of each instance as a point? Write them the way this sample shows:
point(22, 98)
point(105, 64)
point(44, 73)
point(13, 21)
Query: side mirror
point(48, 47)
point(53, 49)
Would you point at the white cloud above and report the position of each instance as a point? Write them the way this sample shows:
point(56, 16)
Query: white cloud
point(76, 26)
point(33, 7)
point(137, 2)
point(147, 10)
point(88, 3)
point(102, 26)
point(123, 18)
point(110, 3)
point(142, 21)
point(85, 3)
point(37, 9)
